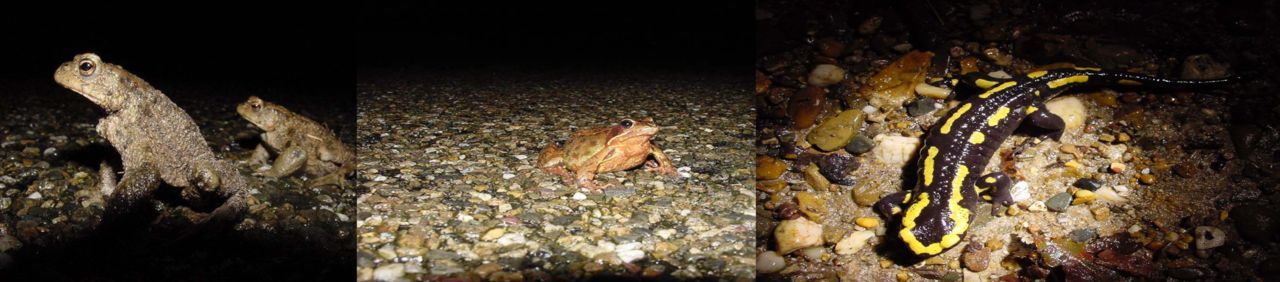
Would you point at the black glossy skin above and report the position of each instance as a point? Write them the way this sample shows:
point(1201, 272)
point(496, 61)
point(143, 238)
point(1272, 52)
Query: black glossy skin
point(956, 151)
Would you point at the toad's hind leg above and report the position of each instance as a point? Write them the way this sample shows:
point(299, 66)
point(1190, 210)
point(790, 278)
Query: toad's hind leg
point(288, 162)
point(338, 178)
point(551, 160)
point(1000, 196)
point(134, 188)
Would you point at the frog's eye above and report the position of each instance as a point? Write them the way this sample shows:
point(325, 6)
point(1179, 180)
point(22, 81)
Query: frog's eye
point(87, 67)
point(626, 123)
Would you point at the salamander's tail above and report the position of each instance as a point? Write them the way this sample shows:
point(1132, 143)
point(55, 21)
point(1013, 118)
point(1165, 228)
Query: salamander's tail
point(1134, 79)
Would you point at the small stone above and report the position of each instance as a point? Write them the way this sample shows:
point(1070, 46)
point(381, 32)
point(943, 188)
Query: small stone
point(1021, 191)
point(854, 242)
point(1109, 195)
point(836, 132)
point(804, 105)
point(813, 176)
point(1208, 237)
point(769, 262)
point(1074, 164)
point(1083, 235)
point(389, 272)
point(931, 91)
point(1069, 149)
point(579, 196)
point(859, 145)
point(35, 196)
point(811, 205)
point(799, 233)
point(1147, 179)
point(1070, 108)
point(895, 150)
point(485, 269)
point(867, 222)
point(493, 234)
point(825, 75)
point(975, 257)
point(1117, 167)
point(830, 47)
point(768, 168)
point(1083, 197)
point(1101, 213)
point(1037, 206)
point(1106, 138)
point(1059, 202)
point(1088, 184)
point(922, 107)
point(1123, 137)
point(867, 196)
point(838, 168)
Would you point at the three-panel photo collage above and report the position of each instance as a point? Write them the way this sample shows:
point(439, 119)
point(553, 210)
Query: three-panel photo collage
point(769, 140)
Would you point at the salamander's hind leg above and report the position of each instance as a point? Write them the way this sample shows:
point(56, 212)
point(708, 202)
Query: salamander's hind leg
point(1039, 117)
point(1000, 195)
point(892, 204)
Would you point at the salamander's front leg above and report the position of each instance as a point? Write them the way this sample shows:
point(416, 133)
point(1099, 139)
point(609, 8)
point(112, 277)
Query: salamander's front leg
point(892, 204)
point(1039, 117)
point(1000, 196)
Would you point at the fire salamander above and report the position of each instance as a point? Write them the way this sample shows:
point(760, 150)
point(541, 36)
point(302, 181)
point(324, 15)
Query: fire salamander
point(958, 146)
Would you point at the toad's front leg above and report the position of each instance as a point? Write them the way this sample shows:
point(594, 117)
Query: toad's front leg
point(134, 188)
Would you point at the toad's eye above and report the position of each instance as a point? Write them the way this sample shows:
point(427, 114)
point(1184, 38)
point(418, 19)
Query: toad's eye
point(86, 67)
point(626, 123)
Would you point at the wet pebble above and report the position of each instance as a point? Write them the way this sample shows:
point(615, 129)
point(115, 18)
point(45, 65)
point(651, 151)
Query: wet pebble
point(922, 107)
point(838, 168)
point(769, 168)
point(769, 262)
point(804, 106)
point(854, 242)
point(859, 144)
point(1088, 184)
point(1208, 237)
point(813, 176)
point(836, 132)
point(1083, 235)
point(796, 234)
point(975, 257)
point(388, 272)
point(1058, 202)
point(825, 75)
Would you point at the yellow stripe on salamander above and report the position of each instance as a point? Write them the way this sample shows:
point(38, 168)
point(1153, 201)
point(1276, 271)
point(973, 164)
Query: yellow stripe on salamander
point(1000, 114)
point(976, 139)
point(946, 126)
point(1068, 80)
point(928, 165)
point(1032, 109)
point(1037, 74)
point(983, 83)
point(1088, 69)
point(998, 88)
point(958, 215)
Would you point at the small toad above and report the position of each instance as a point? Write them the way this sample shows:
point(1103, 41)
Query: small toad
point(605, 149)
point(158, 142)
point(300, 142)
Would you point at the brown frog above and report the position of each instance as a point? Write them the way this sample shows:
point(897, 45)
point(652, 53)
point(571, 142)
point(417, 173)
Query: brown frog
point(157, 141)
point(300, 142)
point(605, 149)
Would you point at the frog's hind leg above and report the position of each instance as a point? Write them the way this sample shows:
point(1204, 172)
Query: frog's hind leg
point(660, 163)
point(289, 161)
point(1000, 196)
point(338, 178)
point(551, 160)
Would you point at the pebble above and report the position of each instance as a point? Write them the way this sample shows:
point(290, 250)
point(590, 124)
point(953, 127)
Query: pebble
point(35, 196)
point(493, 234)
point(1088, 184)
point(813, 176)
point(768, 168)
point(1037, 206)
point(798, 233)
point(1117, 167)
point(868, 222)
point(804, 106)
point(811, 205)
point(1109, 195)
point(1083, 235)
point(770, 262)
point(579, 196)
point(922, 107)
point(867, 196)
point(836, 132)
point(860, 144)
point(931, 91)
point(1101, 213)
point(508, 176)
point(1185, 170)
point(1021, 191)
point(829, 47)
point(1083, 197)
point(825, 75)
point(1070, 108)
point(1059, 202)
point(975, 257)
point(813, 253)
point(895, 150)
point(838, 168)
point(1208, 237)
point(854, 242)
point(388, 272)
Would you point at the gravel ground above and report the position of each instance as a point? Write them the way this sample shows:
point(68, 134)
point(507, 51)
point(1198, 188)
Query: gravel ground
point(448, 158)
point(50, 202)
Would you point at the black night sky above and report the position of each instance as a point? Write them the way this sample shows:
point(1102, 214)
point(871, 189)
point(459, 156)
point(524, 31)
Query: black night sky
point(687, 33)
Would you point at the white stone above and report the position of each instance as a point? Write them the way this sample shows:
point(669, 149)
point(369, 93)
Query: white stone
point(854, 242)
point(1020, 191)
point(1070, 108)
point(825, 75)
point(389, 272)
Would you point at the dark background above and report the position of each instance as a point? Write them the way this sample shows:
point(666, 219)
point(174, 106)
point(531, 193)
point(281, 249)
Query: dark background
point(700, 34)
